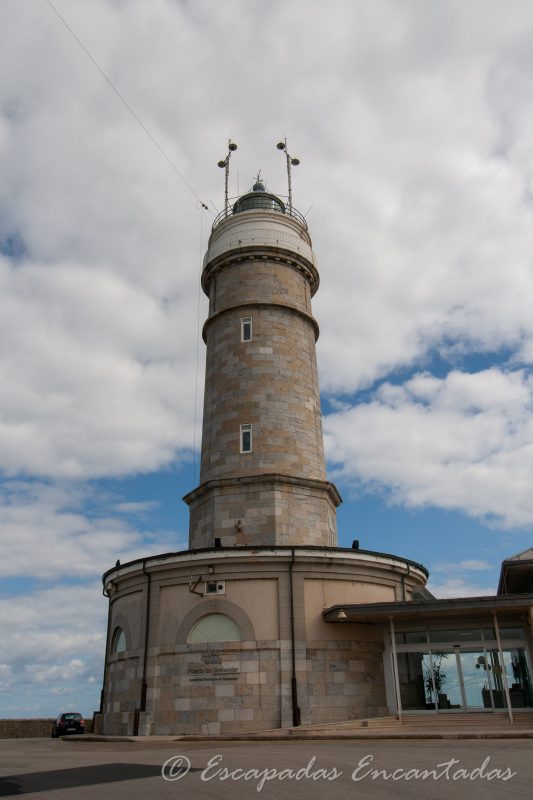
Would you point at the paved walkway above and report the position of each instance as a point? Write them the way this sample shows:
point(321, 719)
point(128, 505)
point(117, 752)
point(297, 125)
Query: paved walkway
point(366, 734)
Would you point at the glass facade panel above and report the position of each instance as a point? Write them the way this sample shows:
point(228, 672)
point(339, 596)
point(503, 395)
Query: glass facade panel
point(412, 637)
point(447, 681)
point(460, 675)
point(511, 633)
point(518, 678)
point(495, 671)
point(416, 686)
point(455, 636)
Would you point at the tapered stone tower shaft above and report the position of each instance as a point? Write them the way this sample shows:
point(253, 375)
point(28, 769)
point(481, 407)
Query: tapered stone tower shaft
point(263, 476)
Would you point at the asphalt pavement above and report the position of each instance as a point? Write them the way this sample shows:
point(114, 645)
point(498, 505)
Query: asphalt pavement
point(333, 770)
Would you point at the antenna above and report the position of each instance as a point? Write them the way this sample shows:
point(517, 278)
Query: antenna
point(224, 164)
point(290, 161)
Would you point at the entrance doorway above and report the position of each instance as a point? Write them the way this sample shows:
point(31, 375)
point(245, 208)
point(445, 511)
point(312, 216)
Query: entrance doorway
point(461, 677)
point(472, 680)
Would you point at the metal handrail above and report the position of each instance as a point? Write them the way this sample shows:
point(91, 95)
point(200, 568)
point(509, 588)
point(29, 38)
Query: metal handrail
point(289, 211)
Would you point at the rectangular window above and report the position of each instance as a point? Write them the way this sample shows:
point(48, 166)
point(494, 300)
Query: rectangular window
point(246, 438)
point(246, 329)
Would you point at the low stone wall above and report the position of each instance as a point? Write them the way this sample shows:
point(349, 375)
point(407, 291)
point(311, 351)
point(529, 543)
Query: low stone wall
point(31, 728)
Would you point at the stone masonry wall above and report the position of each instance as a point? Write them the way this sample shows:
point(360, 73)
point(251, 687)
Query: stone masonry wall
point(270, 382)
point(345, 680)
point(250, 280)
point(122, 695)
point(264, 514)
point(227, 686)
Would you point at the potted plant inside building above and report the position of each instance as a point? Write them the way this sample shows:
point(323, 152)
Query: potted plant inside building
point(434, 682)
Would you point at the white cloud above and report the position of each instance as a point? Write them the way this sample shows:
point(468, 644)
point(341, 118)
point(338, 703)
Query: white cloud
point(464, 442)
point(136, 508)
point(470, 564)
point(53, 641)
point(93, 381)
point(49, 534)
point(459, 587)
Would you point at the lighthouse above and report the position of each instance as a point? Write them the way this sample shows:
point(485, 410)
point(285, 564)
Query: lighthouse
point(235, 633)
point(263, 474)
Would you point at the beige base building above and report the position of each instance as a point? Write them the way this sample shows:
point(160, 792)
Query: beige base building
point(233, 640)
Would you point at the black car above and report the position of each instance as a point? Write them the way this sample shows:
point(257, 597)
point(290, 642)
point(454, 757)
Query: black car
point(69, 722)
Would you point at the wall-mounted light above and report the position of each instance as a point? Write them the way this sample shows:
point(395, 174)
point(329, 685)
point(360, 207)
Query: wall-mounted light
point(341, 615)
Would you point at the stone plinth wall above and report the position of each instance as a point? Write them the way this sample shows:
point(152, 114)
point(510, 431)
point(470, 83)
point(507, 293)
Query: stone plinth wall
point(231, 688)
point(31, 728)
point(345, 680)
point(124, 687)
point(272, 510)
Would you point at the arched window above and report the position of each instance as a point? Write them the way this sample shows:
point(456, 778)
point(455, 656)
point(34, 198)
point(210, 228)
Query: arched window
point(119, 641)
point(215, 628)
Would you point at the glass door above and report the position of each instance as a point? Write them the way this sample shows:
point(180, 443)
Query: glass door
point(477, 681)
point(448, 681)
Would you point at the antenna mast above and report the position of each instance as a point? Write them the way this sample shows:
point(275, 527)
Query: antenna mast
point(290, 161)
point(224, 164)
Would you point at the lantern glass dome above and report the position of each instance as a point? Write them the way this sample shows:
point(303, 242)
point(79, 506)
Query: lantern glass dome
point(259, 198)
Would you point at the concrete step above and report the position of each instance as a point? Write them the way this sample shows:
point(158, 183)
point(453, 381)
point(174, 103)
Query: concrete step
point(489, 719)
point(419, 722)
point(373, 722)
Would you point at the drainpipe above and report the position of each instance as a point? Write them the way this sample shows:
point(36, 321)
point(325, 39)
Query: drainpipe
point(296, 713)
point(107, 640)
point(145, 652)
point(403, 581)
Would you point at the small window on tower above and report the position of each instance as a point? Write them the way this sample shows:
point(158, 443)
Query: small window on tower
point(246, 438)
point(246, 329)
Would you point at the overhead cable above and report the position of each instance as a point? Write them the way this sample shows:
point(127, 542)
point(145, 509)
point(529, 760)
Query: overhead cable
point(127, 105)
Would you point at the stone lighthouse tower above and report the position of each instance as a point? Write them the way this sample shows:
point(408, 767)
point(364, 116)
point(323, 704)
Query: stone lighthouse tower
point(263, 476)
point(233, 634)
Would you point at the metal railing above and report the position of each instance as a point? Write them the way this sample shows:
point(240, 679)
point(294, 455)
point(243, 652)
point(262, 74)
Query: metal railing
point(288, 211)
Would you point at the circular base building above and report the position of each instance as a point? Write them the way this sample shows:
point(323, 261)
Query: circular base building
point(234, 639)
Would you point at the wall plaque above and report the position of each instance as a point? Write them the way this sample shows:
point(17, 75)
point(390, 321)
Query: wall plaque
point(211, 668)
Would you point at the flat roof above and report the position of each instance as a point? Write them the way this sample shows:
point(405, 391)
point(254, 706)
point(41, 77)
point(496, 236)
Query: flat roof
point(428, 610)
point(255, 550)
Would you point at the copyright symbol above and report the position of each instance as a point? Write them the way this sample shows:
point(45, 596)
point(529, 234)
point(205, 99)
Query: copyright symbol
point(175, 768)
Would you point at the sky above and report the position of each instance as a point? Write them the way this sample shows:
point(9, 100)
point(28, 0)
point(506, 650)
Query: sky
point(413, 123)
